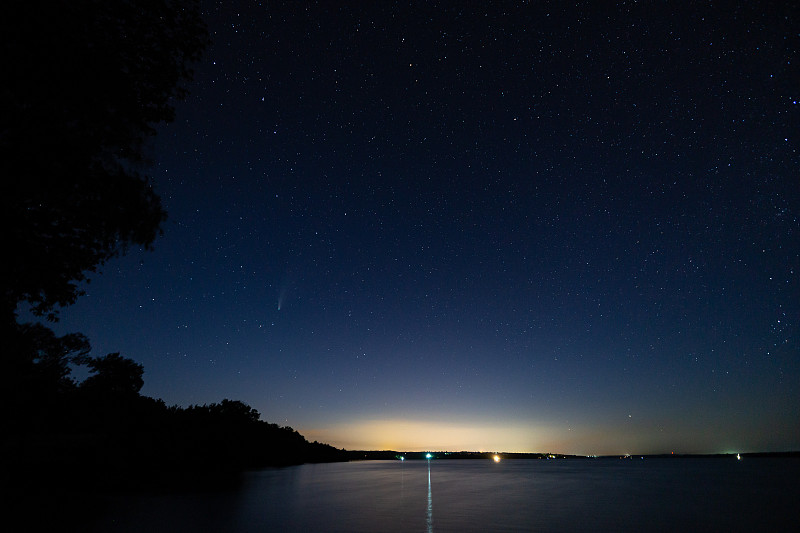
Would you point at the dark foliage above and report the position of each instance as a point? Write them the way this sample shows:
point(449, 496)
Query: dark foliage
point(85, 82)
point(113, 374)
point(124, 440)
point(37, 375)
point(43, 358)
point(102, 432)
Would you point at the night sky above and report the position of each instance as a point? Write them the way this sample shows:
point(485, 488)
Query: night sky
point(479, 226)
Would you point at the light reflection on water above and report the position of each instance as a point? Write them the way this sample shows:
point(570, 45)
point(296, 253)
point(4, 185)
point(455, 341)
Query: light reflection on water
point(429, 520)
point(513, 495)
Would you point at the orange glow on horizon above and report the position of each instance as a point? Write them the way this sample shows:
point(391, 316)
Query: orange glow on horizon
point(495, 436)
point(417, 436)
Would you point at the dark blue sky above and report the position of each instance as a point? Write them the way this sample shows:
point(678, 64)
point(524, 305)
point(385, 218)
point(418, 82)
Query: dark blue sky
point(519, 227)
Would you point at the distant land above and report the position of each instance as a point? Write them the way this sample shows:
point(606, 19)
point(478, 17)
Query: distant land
point(377, 455)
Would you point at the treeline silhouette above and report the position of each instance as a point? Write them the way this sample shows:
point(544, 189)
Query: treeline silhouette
point(86, 83)
point(103, 432)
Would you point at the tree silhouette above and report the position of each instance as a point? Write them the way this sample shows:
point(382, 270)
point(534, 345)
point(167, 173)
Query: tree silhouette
point(85, 82)
point(113, 374)
point(36, 377)
point(234, 410)
point(39, 360)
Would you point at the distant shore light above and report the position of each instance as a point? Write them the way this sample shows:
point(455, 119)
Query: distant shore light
point(496, 458)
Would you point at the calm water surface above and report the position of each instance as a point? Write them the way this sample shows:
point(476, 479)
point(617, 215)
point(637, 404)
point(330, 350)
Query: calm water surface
point(475, 495)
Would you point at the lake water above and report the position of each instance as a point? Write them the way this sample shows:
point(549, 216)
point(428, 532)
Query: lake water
point(754, 494)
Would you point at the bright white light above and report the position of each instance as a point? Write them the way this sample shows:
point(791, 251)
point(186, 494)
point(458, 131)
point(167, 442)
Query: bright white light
point(496, 458)
point(428, 456)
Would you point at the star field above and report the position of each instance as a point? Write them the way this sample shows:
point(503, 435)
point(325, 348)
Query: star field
point(519, 227)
